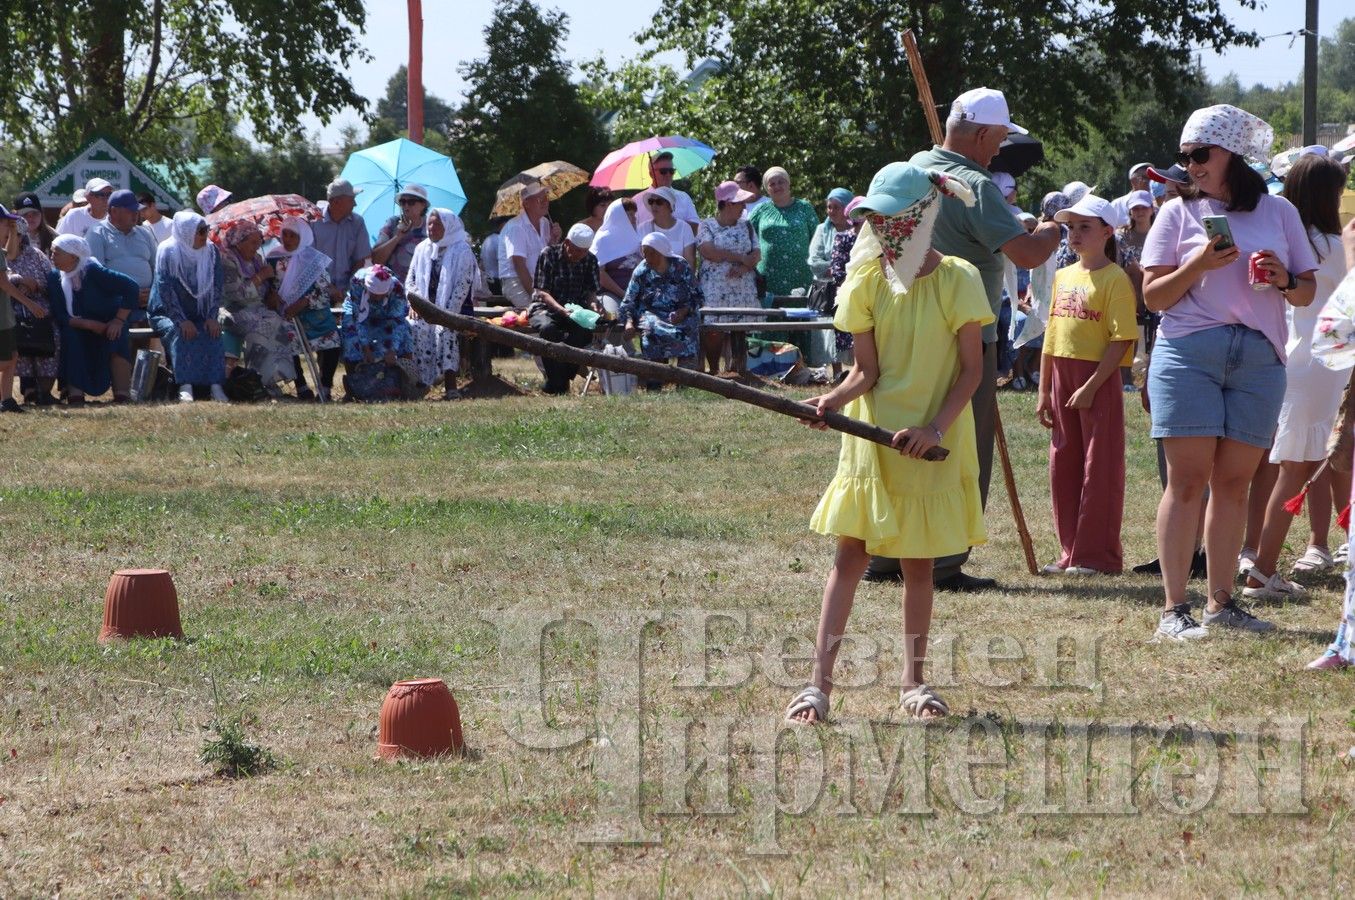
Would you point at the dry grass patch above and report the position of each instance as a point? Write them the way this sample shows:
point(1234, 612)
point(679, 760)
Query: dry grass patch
point(321, 554)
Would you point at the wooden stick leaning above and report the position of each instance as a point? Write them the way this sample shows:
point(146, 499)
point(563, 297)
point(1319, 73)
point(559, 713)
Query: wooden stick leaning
point(924, 94)
point(652, 371)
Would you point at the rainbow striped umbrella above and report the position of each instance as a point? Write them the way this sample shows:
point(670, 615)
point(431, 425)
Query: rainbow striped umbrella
point(628, 168)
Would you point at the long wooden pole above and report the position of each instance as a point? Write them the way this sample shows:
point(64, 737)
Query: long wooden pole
point(651, 371)
point(414, 83)
point(924, 94)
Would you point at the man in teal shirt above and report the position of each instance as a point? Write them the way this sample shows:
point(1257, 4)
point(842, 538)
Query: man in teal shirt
point(978, 123)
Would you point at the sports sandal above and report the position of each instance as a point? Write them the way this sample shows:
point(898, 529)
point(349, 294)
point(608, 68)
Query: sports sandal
point(920, 699)
point(809, 697)
point(1314, 559)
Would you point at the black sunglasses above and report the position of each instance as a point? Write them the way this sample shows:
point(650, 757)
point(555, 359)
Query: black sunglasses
point(1199, 156)
point(666, 171)
point(655, 201)
point(408, 201)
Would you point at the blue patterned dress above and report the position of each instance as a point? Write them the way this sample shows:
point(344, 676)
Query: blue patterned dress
point(381, 327)
point(203, 359)
point(651, 300)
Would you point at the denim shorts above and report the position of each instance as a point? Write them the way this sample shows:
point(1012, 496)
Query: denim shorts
point(1225, 381)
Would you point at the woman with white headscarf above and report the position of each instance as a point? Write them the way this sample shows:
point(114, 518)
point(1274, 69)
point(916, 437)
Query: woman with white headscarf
point(663, 302)
point(617, 246)
point(916, 319)
point(90, 305)
point(444, 272)
point(1217, 378)
point(302, 277)
point(184, 305)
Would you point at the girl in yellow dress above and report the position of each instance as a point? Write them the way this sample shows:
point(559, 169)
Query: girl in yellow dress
point(915, 317)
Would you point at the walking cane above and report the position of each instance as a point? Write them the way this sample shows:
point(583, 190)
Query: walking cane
point(308, 356)
point(924, 96)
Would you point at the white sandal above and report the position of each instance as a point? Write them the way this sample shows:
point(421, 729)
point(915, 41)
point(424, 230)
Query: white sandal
point(1314, 559)
point(809, 697)
point(921, 698)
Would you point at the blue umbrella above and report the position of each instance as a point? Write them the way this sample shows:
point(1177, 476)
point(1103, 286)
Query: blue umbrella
point(382, 171)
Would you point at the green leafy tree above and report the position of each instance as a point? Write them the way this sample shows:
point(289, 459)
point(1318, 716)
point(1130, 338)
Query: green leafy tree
point(392, 110)
point(167, 78)
point(1336, 57)
point(521, 109)
point(823, 86)
point(291, 166)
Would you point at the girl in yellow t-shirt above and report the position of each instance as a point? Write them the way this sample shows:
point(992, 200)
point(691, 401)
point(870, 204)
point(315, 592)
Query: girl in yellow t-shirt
point(1091, 333)
point(916, 319)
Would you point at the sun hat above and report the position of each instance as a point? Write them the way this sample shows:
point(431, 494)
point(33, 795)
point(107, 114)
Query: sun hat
point(730, 192)
point(417, 191)
point(1090, 205)
point(211, 198)
point(341, 187)
point(666, 193)
point(1139, 198)
point(984, 106)
point(532, 189)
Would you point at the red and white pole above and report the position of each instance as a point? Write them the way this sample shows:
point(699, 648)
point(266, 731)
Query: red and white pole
point(414, 97)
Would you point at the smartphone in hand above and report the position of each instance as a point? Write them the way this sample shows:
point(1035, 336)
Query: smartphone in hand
point(1218, 225)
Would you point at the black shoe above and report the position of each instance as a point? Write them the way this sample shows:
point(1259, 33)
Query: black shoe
point(1198, 565)
point(10, 406)
point(882, 577)
point(965, 584)
point(305, 393)
point(1153, 567)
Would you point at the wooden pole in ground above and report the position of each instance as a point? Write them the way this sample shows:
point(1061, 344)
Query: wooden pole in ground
point(651, 371)
point(924, 95)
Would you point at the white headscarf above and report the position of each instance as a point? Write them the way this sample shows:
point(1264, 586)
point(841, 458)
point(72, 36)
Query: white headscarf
point(450, 254)
point(1232, 129)
point(70, 281)
point(617, 238)
point(657, 240)
point(304, 263)
point(194, 267)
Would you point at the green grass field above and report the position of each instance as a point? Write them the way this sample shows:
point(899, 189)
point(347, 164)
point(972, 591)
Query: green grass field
point(321, 554)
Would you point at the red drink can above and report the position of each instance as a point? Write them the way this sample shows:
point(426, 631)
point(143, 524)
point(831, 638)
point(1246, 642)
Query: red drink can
point(1258, 276)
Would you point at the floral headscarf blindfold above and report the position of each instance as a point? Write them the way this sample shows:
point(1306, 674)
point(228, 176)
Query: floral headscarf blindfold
point(901, 241)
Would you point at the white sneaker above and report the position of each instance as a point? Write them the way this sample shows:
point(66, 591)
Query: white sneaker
point(1246, 560)
point(1234, 616)
point(219, 394)
point(1178, 625)
point(1275, 587)
point(186, 393)
point(1082, 570)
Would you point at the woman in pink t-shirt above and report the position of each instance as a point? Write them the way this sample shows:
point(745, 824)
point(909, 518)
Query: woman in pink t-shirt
point(1217, 378)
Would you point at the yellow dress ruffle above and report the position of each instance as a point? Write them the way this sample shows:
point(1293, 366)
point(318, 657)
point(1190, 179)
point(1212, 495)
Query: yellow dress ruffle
point(899, 506)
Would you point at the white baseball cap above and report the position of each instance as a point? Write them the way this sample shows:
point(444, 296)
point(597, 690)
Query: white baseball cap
point(984, 106)
point(1005, 181)
point(580, 235)
point(95, 185)
point(1091, 205)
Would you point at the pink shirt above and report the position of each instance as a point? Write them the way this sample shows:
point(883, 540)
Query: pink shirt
point(1224, 296)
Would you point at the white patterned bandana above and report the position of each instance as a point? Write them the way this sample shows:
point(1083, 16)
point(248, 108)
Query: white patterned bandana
point(1233, 129)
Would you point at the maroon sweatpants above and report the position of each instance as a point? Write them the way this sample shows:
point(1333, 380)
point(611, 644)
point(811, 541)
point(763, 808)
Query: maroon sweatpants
point(1086, 468)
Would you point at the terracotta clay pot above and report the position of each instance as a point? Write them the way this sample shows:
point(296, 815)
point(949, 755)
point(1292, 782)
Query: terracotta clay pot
point(140, 603)
point(418, 718)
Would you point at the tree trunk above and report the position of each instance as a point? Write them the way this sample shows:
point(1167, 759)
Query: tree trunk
point(106, 84)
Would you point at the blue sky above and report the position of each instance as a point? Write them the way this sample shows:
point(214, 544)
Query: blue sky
point(454, 31)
